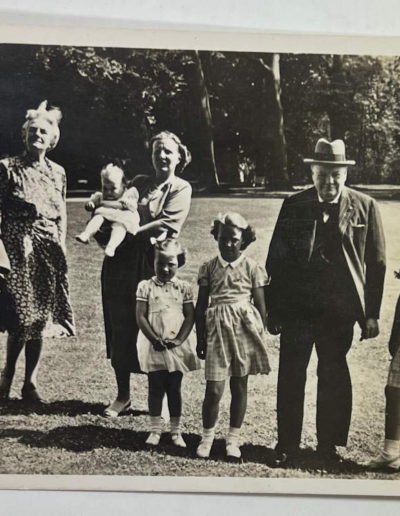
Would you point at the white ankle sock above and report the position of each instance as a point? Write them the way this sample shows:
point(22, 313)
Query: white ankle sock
point(392, 447)
point(175, 425)
point(156, 424)
point(208, 435)
point(233, 435)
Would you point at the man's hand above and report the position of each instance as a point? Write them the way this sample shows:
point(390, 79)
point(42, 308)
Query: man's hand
point(370, 329)
point(201, 349)
point(274, 326)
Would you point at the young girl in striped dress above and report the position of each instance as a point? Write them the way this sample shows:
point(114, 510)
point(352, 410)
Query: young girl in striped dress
point(230, 329)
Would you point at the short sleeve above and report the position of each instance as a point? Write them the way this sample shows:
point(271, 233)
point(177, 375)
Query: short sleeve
point(129, 200)
point(203, 278)
point(259, 277)
point(142, 292)
point(188, 295)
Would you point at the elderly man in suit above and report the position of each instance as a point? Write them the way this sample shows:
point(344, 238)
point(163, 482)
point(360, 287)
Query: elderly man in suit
point(327, 265)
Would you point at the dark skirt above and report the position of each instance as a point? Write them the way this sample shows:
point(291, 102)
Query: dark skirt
point(394, 341)
point(133, 262)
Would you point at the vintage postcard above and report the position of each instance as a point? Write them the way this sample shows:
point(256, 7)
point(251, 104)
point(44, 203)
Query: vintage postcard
point(198, 262)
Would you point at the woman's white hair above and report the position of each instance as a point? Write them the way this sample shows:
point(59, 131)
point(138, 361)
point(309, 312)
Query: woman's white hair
point(51, 116)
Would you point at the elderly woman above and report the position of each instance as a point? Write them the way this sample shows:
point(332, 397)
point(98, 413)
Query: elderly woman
point(33, 227)
point(164, 203)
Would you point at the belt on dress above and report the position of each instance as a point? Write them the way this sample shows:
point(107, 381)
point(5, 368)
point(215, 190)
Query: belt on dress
point(243, 299)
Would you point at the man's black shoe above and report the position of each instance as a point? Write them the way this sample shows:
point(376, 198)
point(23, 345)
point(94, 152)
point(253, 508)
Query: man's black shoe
point(328, 452)
point(283, 457)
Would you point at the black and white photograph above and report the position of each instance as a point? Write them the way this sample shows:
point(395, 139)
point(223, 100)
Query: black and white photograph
point(200, 268)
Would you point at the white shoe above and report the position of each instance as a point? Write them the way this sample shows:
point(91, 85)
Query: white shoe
point(395, 464)
point(233, 450)
point(204, 449)
point(384, 460)
point(177, 439)
point(82, 238)
point(109, 252)
point(153, 439)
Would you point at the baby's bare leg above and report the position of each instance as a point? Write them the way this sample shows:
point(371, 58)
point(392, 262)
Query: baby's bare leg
point(118, 233)
point(92, 227)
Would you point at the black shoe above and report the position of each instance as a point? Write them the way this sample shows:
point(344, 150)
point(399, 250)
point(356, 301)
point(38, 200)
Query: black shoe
point(284, 456)
point(31, 395)
point(328, 452)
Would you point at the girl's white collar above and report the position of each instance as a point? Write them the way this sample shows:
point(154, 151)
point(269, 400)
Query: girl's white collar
point(234, 264)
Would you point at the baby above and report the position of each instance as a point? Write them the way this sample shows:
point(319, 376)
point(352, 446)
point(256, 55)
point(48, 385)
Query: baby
point(116, 204)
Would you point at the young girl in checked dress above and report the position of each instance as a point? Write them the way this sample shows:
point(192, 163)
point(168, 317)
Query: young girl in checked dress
point(389, 456)
point(166, 343)
point(230, 330)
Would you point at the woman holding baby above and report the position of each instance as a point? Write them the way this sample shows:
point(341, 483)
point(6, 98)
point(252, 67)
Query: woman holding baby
point(163, 205)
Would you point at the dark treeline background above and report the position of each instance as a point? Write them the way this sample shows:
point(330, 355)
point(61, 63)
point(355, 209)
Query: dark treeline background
point(248, 118)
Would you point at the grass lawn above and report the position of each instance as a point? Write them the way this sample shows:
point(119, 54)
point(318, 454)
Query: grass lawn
point(69, 436)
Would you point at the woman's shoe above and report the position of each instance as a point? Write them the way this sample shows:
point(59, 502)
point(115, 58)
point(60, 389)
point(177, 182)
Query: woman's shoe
point(116, 408)
point(204, 449)
point(82, 238)
point(177, 440)
point(30, 395)
point(5, 386)
point(153, 439)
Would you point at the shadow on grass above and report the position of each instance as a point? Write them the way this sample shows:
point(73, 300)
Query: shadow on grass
point(86, 438)
point(307, 460)
point(63, 407)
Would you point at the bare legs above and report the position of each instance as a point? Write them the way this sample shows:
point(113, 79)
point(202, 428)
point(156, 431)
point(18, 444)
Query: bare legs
point(118, 233)
point(33, 347)
point(122, 402)
point(161, 383)
point(392, 422)
point(92, 227)
point(389, 457)
point(214, 392)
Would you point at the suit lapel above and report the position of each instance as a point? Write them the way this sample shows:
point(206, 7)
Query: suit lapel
point(345, 210)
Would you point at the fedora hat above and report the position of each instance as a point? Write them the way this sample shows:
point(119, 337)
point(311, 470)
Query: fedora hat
point(330, 153)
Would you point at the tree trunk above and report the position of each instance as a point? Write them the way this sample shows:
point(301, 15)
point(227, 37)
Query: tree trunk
point(277, 176)
point(337, 103)
point(205, 140)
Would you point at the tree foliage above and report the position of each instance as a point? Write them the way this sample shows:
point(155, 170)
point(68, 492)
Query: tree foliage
point(246, 117)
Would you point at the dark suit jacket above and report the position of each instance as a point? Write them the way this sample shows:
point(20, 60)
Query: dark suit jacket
point(292, 244)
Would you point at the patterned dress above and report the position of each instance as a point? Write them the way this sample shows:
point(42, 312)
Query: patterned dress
point(33, 229)
point(235, 331)
point(165, 314)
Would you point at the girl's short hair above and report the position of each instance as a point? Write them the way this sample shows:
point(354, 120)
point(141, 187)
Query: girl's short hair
point(237, 221)
point(52, 116)
point(184, 152)
point(111, 168)
point(172, 246)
